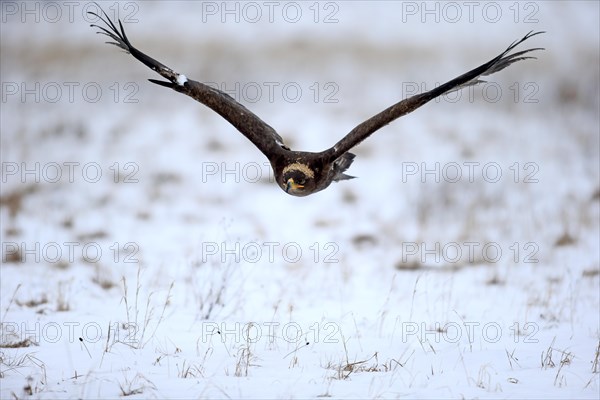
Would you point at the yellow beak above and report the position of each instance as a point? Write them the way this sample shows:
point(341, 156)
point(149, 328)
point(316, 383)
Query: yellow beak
point(292, 185)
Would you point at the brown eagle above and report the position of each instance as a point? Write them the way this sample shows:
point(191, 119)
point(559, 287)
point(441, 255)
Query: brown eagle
point(301, 173)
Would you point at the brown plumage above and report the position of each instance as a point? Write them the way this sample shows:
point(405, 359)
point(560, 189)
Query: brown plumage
point(302, 173)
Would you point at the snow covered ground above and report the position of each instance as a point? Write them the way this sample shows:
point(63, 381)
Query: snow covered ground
point(147, 252)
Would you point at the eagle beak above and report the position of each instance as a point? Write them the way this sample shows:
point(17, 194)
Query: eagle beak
point(292, 185)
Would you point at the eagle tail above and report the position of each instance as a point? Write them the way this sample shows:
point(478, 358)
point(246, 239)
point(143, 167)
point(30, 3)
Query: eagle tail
point(341, 165)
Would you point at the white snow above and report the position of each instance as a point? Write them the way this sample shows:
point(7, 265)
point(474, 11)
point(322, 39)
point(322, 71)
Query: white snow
point(139, 221)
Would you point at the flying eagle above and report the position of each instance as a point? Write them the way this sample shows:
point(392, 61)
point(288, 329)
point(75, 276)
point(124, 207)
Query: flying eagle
point(301, 173)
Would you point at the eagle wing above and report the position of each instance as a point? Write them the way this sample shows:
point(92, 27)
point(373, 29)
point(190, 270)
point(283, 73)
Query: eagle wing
point(368, 127)
point(264, 137)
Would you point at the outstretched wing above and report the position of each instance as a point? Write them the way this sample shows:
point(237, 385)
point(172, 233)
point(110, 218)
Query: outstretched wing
point(365, 129)
point(256, 130)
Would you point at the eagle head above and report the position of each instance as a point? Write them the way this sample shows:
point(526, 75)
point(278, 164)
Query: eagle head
point(298, 179)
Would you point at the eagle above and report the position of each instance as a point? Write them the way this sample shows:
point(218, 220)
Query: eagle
point(301, 173)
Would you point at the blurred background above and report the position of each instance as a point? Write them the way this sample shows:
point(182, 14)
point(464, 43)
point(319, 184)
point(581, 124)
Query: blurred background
point(313, 72)
point(94, 153)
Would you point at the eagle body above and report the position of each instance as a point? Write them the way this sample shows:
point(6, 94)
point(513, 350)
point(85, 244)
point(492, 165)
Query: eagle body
point(301, 173)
